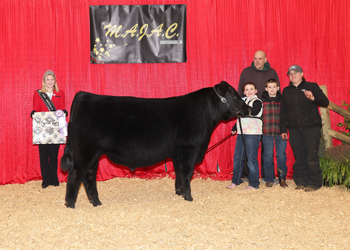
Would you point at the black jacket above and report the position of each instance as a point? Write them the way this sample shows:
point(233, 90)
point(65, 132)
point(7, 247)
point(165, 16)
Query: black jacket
point(297, 111)
point(266, 98)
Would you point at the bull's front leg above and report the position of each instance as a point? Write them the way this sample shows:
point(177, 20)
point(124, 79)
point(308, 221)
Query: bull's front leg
point(90, 185)
point(187, 173)
point(178, 178)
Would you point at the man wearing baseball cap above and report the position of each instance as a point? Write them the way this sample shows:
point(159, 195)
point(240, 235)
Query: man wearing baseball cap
point(300, 116)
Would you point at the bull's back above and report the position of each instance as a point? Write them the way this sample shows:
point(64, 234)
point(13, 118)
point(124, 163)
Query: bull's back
point(130, 114)
point(128, 128)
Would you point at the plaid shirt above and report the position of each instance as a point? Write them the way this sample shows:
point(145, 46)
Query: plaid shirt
point(271, 115)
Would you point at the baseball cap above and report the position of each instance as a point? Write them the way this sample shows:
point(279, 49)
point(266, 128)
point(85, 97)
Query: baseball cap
point(296, 68)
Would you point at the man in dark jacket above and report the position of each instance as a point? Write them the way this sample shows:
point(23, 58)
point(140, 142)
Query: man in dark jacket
point(300, 115)
point(258, 73)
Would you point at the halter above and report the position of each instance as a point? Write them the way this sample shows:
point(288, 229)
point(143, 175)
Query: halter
point(223, 99)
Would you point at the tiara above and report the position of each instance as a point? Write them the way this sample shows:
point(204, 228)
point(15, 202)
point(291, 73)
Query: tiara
point(48, 72)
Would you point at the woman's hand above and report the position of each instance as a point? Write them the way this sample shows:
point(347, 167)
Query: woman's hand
point(32, 113)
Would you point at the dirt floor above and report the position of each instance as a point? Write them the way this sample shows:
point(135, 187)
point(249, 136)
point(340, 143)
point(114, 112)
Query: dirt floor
point(146, 214)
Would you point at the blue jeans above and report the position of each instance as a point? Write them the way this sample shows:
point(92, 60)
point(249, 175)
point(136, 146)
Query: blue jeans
point(281, 146)
point(252, 142)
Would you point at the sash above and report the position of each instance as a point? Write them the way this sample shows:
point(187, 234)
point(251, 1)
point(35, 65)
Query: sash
point(47, 101)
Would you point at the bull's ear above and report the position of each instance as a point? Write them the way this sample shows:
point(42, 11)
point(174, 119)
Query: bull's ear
point(221, 87)
point(223, 82)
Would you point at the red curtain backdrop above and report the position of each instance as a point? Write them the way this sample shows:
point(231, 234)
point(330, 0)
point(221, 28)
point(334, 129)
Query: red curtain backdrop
point(222, 37)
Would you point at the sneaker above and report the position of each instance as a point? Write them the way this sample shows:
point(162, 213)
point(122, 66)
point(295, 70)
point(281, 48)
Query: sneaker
point(231, 186)
point(248, 188)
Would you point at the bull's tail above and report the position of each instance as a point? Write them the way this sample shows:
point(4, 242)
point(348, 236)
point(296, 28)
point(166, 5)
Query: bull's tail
point(67, 158)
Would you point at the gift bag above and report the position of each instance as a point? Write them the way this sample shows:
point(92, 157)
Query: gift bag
point(47, 129)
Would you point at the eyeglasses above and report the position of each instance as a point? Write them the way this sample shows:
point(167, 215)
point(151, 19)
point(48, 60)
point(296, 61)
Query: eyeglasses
point(293, 73)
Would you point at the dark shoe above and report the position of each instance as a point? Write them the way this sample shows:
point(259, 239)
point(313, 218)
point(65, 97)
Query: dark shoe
point(269, 184)
point(299, 187)
point(44, 185)
point(309, 189)
point(283, 184)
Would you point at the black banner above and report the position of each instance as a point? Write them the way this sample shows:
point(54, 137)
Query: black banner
point(138, 34)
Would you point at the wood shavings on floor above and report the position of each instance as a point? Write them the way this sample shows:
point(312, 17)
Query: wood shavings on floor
point(146, 214)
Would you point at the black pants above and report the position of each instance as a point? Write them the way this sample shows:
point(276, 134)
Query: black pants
point(305, 143)
point(48, 163)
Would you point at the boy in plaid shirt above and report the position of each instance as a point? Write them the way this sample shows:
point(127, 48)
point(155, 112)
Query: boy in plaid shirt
point(271, 135)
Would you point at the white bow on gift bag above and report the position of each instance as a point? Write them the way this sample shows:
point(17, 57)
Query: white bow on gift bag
point(62, 122)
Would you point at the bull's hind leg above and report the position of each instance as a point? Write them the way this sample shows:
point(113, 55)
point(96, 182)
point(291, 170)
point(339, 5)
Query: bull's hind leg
point(75, 178)
point(187, 173)
point(90, 185)
point(184, 172)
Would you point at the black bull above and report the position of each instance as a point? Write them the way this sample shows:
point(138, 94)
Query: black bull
point(140, 132)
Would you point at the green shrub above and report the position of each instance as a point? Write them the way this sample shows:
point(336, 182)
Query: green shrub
point(335, 173)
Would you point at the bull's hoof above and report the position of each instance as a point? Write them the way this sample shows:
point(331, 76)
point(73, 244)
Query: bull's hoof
point(188, 198)
point(178, 192)
point(70, 205)
point(96, 203)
